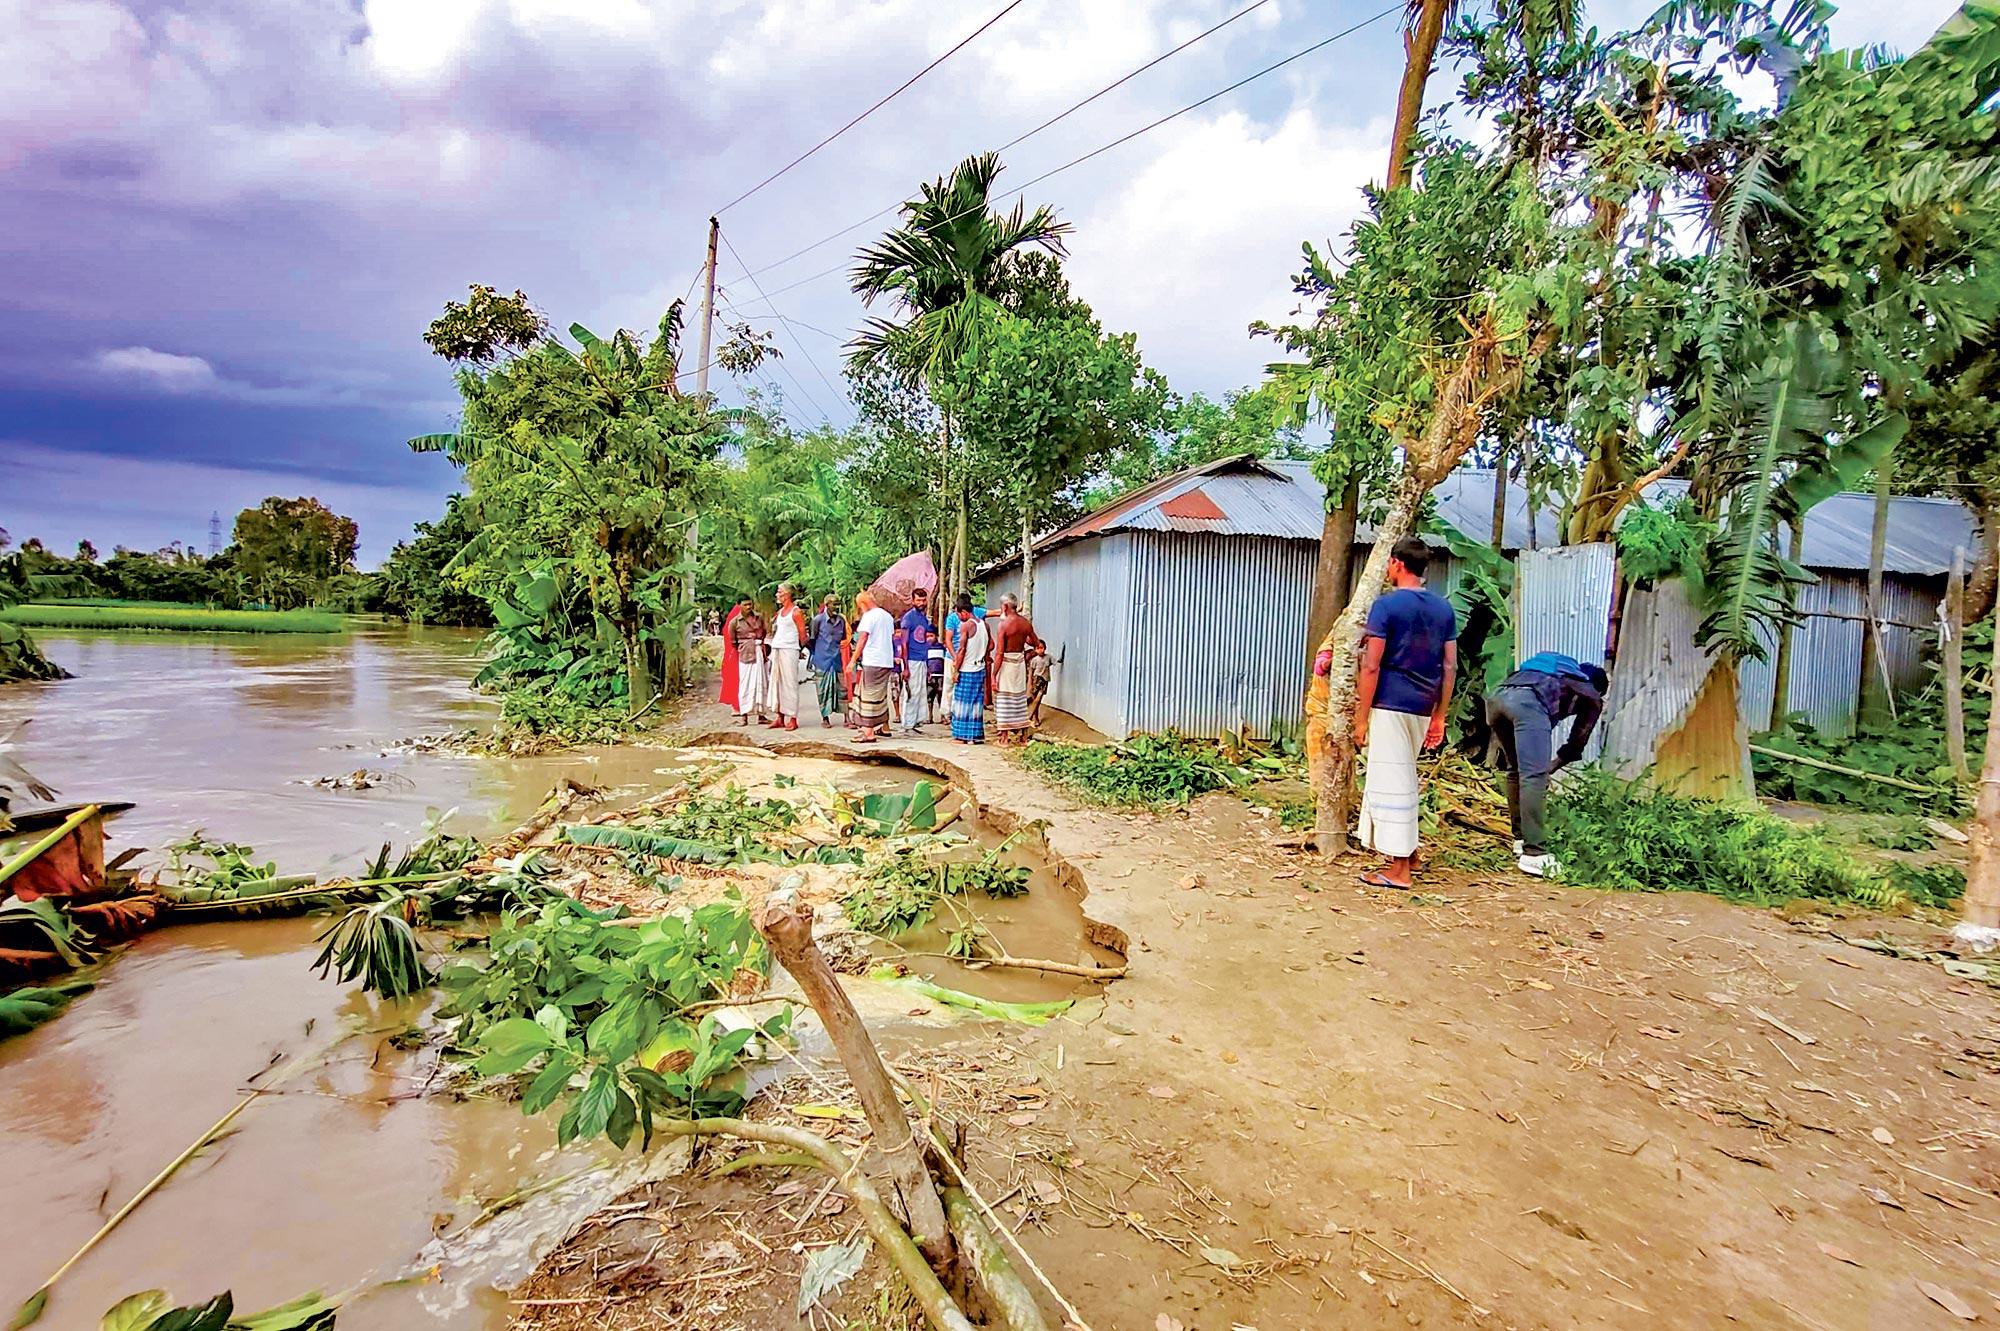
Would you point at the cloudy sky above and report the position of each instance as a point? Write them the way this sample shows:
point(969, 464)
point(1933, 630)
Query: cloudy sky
point(224, 224)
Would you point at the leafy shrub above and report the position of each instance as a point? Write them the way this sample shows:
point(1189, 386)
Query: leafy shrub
point(1938, 885)
point(1147, 769)
point(1908, 752)
point(1629, 836)
point(729, 817)
point(904, 888)
point(1659, 543)
point(615, 1007)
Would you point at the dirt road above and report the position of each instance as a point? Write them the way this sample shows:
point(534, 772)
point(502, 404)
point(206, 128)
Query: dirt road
point(1492, 1102)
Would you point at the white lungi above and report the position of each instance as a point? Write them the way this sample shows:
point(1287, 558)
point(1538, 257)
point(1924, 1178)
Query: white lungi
point(749, 686)
point(785, 682)
point(917, 695)
point(1389, 799)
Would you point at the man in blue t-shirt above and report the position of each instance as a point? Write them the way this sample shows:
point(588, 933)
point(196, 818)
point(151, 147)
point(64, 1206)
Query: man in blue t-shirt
point(913, 646)
point(1408, 659)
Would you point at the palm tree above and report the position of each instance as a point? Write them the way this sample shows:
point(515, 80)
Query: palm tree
point(946, 266)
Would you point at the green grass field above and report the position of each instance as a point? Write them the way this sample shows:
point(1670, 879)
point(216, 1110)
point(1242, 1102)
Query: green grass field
point(171, 618)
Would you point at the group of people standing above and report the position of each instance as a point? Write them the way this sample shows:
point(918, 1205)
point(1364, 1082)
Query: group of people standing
point(878, 671)
point(1403, 693)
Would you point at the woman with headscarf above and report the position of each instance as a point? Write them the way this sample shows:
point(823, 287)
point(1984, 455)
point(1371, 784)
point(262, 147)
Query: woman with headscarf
point(732, 682)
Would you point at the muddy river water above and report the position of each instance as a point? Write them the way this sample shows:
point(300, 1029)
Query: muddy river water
point(346, 1177)
point(340, 1178)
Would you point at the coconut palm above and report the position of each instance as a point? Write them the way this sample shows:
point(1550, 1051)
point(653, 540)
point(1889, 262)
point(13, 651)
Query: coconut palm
point(949, 260)
point(947, 266)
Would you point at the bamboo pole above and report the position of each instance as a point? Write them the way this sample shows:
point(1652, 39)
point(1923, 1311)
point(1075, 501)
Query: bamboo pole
point(1954, 667)
point(31, 1310)
point(786, 924)
point(37, 850)
point(1825, 766)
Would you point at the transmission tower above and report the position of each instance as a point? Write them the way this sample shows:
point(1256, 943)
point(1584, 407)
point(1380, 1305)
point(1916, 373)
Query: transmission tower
point(214, 534)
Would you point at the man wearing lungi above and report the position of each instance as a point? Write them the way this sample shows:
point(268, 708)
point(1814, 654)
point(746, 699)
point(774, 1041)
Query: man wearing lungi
point(787, 641)
point(874, 668)
point(1408, 659)
point(747, 636)
point(1014, 640)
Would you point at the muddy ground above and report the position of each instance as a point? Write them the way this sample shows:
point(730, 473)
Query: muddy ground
point(1493, 1102)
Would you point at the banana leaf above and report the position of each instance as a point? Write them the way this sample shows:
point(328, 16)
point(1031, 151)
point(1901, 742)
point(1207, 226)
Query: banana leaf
point(893, 814)
point(41, 916)
point(638, 841)
point(24, 1009)
point(1032, 1014)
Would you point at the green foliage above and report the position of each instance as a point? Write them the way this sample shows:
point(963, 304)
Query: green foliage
point(730, 816)
point(1484, 601)
point(154, 1310)
point(903, 889)
point(1911, 749)
point(1196, 429)
point(486, 326)
point(415, 583)
point(586, 467)
point(608, 1016)
point(290, 551)
point(1665, 542)
point(1634, 837)
point(376, 946)
point(1939, 886)
point(24, 1009)
point(1164, 769)
point(173, 618)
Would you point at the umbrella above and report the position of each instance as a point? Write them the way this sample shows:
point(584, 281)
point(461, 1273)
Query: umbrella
point(893, 589)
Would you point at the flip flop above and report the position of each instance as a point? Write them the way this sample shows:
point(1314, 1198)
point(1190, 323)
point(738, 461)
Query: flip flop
point(1376, 878)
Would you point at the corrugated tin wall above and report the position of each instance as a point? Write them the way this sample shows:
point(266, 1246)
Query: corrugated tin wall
point(1220, 623)
point(1083, 609)
point(1826, 650)
point(1562, 603)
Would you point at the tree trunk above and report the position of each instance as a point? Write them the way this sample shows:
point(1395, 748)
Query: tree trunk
point(961, 569)
point(1027, 561)
point(1420, 43)
point(1499, 532)
point(1982, 879)
point(1954, 667)
point(1330, 734)
point(1331, 575)
point(1984, 579)
point(1481, 376)
point(786, 924)
point(1781, 667)
point(638, 670)
point(1877, 708)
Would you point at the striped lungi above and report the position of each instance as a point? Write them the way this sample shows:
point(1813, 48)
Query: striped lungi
point(968, 705)
point(1389, 797)
point(871, 696)
point(1010, 693)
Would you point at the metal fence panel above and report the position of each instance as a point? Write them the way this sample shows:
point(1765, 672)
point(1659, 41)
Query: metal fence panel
point(1220, 622)
point(1562, 603)
point(1082, 609)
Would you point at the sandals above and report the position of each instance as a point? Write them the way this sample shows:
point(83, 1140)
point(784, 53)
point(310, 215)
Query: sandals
point(1377, 878)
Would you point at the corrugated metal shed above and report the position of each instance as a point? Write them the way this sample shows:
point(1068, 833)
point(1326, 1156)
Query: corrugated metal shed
point(1083, 610)
point(1259, 497)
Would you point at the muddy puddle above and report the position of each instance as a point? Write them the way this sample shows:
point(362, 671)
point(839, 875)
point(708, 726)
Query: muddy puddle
point(347, 1176)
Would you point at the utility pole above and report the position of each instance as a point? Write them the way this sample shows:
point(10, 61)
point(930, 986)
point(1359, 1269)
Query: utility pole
point(707, 308)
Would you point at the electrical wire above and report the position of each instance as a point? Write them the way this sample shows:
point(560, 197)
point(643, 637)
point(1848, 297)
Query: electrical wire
point(780, 361)
point(899, 90)
point(1104, 148)
point(1023, 138)
point(780, 317)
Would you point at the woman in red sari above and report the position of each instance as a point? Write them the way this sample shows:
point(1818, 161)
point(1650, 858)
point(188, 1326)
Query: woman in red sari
point(729, 660)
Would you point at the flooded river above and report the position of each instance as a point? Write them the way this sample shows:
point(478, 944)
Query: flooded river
point(341, 1178)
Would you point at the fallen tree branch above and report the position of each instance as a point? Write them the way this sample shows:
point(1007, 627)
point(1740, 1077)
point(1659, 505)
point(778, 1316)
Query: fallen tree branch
point(786, 925)
point(989, 1267)
point(942, 1150)
point(1031, 964)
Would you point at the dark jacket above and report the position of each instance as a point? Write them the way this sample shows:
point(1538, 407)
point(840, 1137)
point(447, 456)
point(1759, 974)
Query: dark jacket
point(1563, 691)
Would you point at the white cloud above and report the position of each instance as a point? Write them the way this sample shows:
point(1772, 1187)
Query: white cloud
point(163, 370)
point(1203, 238)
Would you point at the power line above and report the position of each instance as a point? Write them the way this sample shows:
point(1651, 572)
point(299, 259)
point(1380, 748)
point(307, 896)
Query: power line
point(783, 367)
point(1023, 138)
point(779, 315)
point(900, 89)
point(1094, 152)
